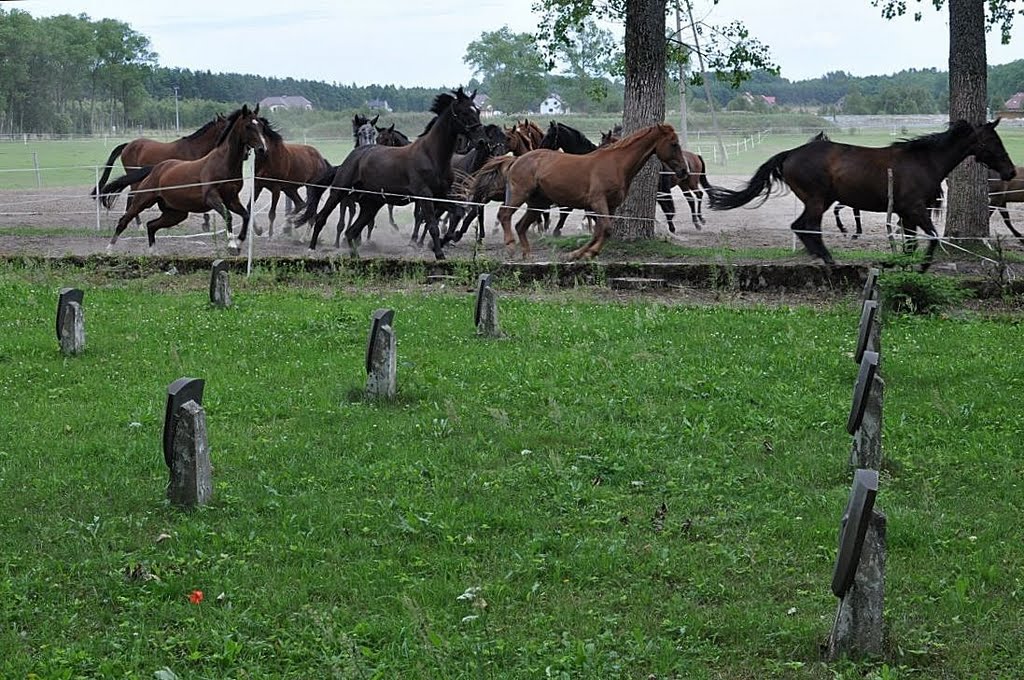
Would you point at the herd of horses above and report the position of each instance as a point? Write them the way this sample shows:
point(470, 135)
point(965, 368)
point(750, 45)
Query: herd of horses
point(458, 164)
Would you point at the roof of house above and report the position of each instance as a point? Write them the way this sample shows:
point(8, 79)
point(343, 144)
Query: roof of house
point(1015, 102)
point(287, 101)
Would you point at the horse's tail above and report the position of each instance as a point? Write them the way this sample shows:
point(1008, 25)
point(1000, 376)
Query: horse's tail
point(761, 183)
point(486, 182)
point(703, 173)
point(106, 171)
point(110, 191)
point(314, 190)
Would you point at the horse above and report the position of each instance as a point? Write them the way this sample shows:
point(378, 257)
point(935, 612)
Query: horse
point(597, 182)
point(696, 178)
point(282, 168)
point(1001, 192)
point(822, 172)
point(485, 185)
point(463, 166)
point(145, 151)
point(384, 174)
point(389, 136)
point(518, 141)
point(212, 182)
point(569, 140)
point(364, 132)
point(532, 132)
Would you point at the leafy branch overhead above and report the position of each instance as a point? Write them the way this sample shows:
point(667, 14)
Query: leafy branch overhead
point(728, 51)
point(999, 13)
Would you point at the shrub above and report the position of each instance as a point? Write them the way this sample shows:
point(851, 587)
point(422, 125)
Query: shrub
point(914, 293)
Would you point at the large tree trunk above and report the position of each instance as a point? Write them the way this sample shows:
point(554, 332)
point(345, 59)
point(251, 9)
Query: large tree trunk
point(967, 213)
point(644, 105)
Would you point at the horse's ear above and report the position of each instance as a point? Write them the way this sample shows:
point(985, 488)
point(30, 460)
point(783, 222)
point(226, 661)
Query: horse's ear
point(256, 111)
point(374, 121)
point(996, 122)
point(392, 128)
point(473, 96)
point(245, 109)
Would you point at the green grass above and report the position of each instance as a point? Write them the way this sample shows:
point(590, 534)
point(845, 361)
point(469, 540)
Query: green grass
point(342, 533)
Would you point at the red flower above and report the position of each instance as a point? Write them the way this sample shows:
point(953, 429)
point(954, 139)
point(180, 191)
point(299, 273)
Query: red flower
point(195, 597)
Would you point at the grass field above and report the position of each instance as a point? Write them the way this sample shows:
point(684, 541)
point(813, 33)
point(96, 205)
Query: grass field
point(73, 163)
point(636, 489)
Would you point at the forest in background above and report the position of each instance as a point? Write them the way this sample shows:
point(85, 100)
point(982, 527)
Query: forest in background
point(71, 74)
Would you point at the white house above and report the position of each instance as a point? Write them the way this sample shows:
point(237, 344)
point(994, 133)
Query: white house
point(286, 102)
point(379, 105)
point(553, 105)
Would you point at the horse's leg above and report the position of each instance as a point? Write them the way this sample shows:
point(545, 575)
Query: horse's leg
point(698, 198)
point(668, 206)
point(856, 220)
point(275, 194)
point(430, 217)
point(563, 215)
point(234, 204)
point(505, 213)
point(532, 216)
point(602, 225)
point(369, 206)
point(333, 199)
point(839, 222)
point(1009, 225)
point(808, 228)
point(391, 216)
point(455, 235)
point(168, 218)
point(132, 210)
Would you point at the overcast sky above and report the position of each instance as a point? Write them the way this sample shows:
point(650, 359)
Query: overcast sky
point(422, 42)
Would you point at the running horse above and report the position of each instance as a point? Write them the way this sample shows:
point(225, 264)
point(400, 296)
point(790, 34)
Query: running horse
point(144, 151)
point(379, 175)
point(283, 167)
point(822, 172)
point(596, 182)
point(212, 182)
point(1001, 192)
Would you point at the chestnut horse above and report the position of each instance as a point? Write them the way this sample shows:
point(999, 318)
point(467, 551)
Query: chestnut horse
point(144, 151)
point(822, 172)
point(212, 182)
point(597, 182)
point(283, 167)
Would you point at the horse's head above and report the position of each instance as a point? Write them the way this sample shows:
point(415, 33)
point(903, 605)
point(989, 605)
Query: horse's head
point(550, 138)
point(389, 136)
point(517, 142)
point(496, 139)
point(669, 151)
point(988, 149)
point(463, 111)
point(366, 134)
point(244, 126)
point(609, 137)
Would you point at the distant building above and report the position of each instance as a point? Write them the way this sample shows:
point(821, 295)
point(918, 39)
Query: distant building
point(287, 102)
point(379, 105)
point(755, 99)
point(553, 105)
point(1013, 107)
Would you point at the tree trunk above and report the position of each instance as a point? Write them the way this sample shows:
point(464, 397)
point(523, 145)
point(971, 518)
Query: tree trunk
point(967, 213)
point(644, 105)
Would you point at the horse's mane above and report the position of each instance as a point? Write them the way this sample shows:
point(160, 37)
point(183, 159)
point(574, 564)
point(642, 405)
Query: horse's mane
point(429, 125)
point(446, 99)
point(203, 130)
point(820, 137)
point(956, 129)
point(628, 138)
point(235, 115)
point(272, 132)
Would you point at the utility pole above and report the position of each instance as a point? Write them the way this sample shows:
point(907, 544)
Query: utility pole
point(682, 82)
point(177, 123)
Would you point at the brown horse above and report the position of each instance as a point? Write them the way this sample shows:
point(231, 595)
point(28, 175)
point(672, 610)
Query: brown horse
point(822, 172)
point(518, 141)
point(283, 167)
point(1001, 192)
point(144, 151)
point(532, 132)
point(597, 182)
point(212, 182)
point(696, 178)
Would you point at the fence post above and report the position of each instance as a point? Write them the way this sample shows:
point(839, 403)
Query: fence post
point(35, 164)
point(888, 214)
point(252, 219)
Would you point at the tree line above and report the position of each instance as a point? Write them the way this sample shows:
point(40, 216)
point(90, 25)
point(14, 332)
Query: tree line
point(73, 74)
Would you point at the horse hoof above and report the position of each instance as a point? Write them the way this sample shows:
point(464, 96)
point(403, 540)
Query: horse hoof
point(257, 230)
point(672, 229)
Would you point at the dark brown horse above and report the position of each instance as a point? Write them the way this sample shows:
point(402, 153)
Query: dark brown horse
point(532, 132)
point(596, 182)
point(696, 178)
point(1001, 192)
point(284, 167)
point(145, 151)
point(212, 182)
point(377, 175)
point(822, 172)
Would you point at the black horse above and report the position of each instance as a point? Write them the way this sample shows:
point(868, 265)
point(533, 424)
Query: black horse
point(378, 175)
point(823, 172)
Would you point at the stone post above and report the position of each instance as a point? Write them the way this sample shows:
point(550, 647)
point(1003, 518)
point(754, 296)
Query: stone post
point(72, 331)
point(858, 627)
point(381, 357)
point(220, 293)
point(486, 316)
point(866, 451)
point(191, 476)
